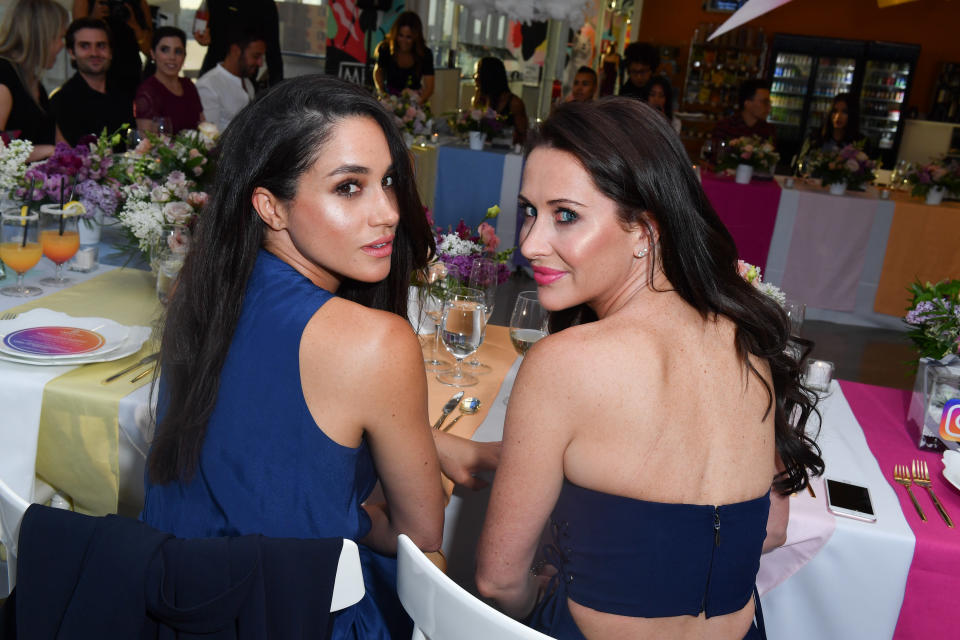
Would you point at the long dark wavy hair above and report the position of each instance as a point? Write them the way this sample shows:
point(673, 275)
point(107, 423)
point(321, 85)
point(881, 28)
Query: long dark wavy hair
point(492, 79)
point(411, 20)
point(270, 144)
point(851, 132)
point(650, 178)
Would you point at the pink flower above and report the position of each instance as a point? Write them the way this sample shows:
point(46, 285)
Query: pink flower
point(144, 146)
point(488, 236)
point(429, 216)
point(746, 155)
point(198, 199)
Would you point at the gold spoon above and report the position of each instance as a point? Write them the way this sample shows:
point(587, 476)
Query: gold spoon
point(468, 406)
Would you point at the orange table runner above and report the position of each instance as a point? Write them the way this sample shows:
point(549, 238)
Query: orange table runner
point(923, 243)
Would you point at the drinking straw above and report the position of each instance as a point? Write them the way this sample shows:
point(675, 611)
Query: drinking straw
point(63, 187)
point(25, 210)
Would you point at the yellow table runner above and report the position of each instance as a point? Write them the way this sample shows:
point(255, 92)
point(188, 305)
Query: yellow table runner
point(922, 244)
point(425, 163)
point(79, 429)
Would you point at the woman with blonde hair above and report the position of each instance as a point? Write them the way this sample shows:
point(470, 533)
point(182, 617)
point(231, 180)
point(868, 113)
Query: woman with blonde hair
point(30, 39)
point(403, 59)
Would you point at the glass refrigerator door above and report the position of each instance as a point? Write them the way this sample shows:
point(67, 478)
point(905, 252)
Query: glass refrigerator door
point(834, 75)
point(881, 101)
point(791, 75)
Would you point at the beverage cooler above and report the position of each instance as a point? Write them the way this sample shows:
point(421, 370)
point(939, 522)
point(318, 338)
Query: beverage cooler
point(807, 72)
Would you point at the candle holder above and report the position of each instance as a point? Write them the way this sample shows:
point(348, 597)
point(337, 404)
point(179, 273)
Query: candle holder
point(818, 374)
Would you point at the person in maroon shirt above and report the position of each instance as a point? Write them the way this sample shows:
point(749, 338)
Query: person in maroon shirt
point(751, 120)
point(165, 97)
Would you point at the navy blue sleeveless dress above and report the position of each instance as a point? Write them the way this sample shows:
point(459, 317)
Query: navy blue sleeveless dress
point(266, 468)
point(650, 559)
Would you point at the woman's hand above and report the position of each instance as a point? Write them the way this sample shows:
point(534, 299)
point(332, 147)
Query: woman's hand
point(461, 459)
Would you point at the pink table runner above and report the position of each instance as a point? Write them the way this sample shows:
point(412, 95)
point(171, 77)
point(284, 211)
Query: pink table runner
point(749, 212)
point(930, 598)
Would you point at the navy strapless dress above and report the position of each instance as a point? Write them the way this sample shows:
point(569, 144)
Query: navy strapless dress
point(650, 559)
point(266, 468)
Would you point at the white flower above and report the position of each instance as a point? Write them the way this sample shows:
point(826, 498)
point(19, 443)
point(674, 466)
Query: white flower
point(773, 292)
point(852, 164)
point(208, 131)
point(177, 212)
point(13, 163)
point(160, 194)
point(453, 245)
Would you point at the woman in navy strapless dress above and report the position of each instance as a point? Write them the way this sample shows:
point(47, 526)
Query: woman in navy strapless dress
point(291, 380)
point(649, 431)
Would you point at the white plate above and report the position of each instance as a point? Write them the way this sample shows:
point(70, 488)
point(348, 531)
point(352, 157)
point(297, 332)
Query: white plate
point(130, 344)
point(112, 333)
point(951, 467)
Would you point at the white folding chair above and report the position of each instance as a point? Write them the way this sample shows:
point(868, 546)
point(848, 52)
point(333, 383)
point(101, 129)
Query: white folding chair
point(348, 586)
point(441, 609)
point(12, 508)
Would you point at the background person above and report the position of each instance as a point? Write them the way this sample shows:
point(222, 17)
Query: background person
point(230, 16)
point(164, 94)
point(640, 61)
point(584, 85)
point(30, 39)
point(609, 69)
point(228, 87)
point(403, 59)
point(661, 359)
point(751, 119)
point(841, 126)
point(131, 28)
point(491, 89)
point(660, 98)
point(87, 103)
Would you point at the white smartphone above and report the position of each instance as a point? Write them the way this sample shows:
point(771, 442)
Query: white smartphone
point(849, 500)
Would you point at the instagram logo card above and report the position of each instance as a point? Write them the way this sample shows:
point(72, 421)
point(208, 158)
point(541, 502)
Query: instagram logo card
point(950, 421)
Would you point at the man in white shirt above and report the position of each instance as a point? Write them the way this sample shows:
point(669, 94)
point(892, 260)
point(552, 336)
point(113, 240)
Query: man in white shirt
point(228, 87)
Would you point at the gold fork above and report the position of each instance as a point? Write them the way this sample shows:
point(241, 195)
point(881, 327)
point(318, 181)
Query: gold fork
point(921, 475)
point(8, 316)
point(902, 475)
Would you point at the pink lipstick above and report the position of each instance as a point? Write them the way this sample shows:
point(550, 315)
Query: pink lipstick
point(380, 248)
point(545, 275)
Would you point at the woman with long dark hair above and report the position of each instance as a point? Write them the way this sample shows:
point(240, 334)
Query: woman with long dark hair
point(291, 381)
point(660, 426)
point(660, 97)
point(841, 126)
point(131, 29)
point(403, 59)
point(493, 91)
point(164, 95)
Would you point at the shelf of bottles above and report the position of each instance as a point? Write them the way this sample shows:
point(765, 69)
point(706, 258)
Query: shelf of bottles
point(716, 68)
point(946, 93)
point(834, 76)
point(881, 100)
point(791, 75)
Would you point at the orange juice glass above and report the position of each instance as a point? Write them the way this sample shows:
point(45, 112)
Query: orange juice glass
point(59, 238)
point(19, 249)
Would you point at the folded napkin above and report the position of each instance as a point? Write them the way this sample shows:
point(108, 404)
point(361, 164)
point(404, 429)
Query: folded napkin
point(951, 467)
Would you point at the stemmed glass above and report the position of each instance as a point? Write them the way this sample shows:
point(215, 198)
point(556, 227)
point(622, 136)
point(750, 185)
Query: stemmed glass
point(59, 239)
point(168, 258)
point(20, 250)
point(433, 300)
point(483, 277)
point(528, 323)
point(461, 330)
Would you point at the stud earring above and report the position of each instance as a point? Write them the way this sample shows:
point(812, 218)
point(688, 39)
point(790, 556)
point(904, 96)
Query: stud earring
point(641, 253)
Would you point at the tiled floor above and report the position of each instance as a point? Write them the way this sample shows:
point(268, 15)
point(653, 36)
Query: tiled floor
point(874, 356)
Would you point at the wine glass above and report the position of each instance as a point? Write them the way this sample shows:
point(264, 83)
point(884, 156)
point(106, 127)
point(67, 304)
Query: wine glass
point(20, 250)
point(433, 300)
point(461, 330)
point(172, 248)
point(163, 125)
point(484, 274)
point(59, 239)
point(528, 322)
point(134, 138)
point(706, 151)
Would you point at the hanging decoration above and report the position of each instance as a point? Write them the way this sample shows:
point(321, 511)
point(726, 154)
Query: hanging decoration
point(573, 11)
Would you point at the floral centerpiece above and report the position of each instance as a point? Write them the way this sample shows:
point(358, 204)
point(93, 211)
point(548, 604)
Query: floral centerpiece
point(159, 155)
point(456, 249)
point(13, 163)
point(933, 319)
point(485, 121)
point(849, 166)
point(751, 274)
point(936, 175)
point(409, 114)
point(150, 207)
point(753, 151)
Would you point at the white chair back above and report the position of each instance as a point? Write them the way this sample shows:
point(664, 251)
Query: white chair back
point(443, 610)
point(348, 586)
point(12, 508)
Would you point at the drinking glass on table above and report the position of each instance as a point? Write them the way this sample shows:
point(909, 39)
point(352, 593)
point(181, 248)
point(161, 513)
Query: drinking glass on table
point(528, 322)
point(20, 249)
point(461, 330)
point(59, 239)
point(172, 248)
point(484, 274)
point(433, 299)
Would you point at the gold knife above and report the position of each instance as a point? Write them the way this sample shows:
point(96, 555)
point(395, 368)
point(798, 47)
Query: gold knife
point(146, 360)
point(447, 408)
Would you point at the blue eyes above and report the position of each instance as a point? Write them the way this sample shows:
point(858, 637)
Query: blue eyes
point(561, 215)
